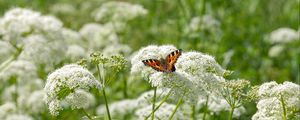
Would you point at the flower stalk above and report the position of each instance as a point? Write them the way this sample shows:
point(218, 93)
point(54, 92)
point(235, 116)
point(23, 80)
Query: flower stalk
point(153, 103)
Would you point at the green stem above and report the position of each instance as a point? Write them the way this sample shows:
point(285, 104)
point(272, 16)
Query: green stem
point(203, 9)
point(283, 107)
point(104, 94)
point(231, 112)
point(125, 88)
point(153, 103)
point(10, 59)
point(180, 101)
point(161, 102)
point(86, 114)
point(194, 112)
point(106, 104)
point(205, 107)
point(16, 95)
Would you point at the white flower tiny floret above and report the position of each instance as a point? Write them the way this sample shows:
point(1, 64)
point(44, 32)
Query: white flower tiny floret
point(275, 100)
point(66, 85)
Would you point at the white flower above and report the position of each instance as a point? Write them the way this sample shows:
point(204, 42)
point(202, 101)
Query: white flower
point(118, 11)
point(23, 70)
point(73, 37)
point(6, 50)
point(119, 108)
point(273, 96)
point(163, 113)
point(147, 97)
point(41, 51)
point(195, 74)
point(283, 35)
point(276, 50)
point(268, 109)
point(24, 90)
point(265, 90)
point(61, 8)
point(115, 49)
point(217, 104)
point(35, 103)
point(98, 35)
point(80, 99)
point(75, 52)
point(18, 23)
point(19, 117)
point(66, 83)
point(204, 22)
point(7, 109)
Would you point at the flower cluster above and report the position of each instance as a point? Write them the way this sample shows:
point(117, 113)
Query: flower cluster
point(280, 39)
point(278, 101)
point(70, 85)
point(196, 73)
point(118, 11)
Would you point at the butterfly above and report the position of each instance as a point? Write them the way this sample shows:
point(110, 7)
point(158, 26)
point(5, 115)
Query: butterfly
point(164, 65)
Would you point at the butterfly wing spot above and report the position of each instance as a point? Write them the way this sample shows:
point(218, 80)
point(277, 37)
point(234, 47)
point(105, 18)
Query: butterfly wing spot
point(155, 64)
point(166, 65)
point(171, 59)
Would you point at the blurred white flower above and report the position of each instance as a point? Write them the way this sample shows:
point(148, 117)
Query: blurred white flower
point(41, 51)
point(7, 109)
point(119, 108)
point(62, 8)
point(23, 70)
point(217, 104)
point(272, 97)
point(24, 89)
point(6, 50)
point(98, 36)
point(283, 35)
point(276, 50)
point(73, 37)
point(75, 52)
point(196, 73)
point(19, 22)
point(163, 113)
point(118, 11)
point(116, 48)
point(200, 23)
point(66, 84)
point(35, 103)
point(146, 98)
point(19, 117)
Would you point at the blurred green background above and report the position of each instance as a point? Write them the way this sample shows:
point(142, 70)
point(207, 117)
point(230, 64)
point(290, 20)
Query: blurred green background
point(244, 26)
point(240, 43)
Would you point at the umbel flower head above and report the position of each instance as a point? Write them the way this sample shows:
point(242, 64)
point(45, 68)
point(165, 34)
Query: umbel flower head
point(118, 11)
point(283, 35)
point(195, 74)
point(68, 86)
point(278, 101)
point(19, 22)
point(24, 70)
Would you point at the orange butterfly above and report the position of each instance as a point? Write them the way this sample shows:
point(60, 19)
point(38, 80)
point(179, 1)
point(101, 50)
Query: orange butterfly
point(164, 65)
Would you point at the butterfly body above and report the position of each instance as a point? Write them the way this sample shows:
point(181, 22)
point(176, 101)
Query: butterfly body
point(164, 65)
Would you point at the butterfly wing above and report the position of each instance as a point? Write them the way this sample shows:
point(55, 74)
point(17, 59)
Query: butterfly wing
point(155, 64)
point(171, 59)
